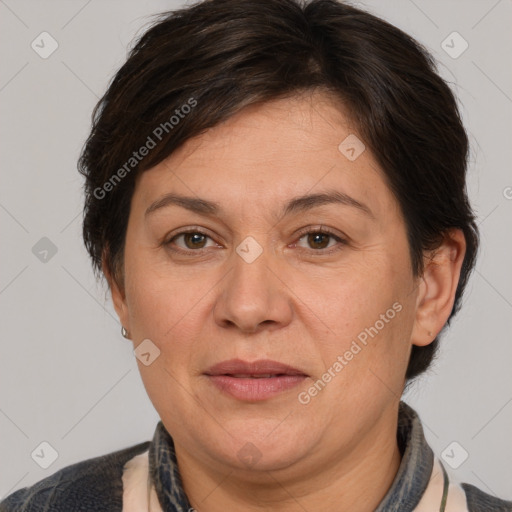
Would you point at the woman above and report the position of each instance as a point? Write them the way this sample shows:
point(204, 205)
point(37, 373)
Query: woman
point(275, 193)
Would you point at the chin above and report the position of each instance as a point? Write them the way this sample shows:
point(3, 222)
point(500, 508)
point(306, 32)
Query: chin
point(253, 460)
point(262, 446)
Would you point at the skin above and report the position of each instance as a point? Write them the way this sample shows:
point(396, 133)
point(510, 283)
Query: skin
point(296, 303)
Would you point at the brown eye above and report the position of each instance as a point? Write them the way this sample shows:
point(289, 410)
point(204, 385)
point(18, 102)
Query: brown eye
point(318, 240)
point(194, 240)
point(189, 241)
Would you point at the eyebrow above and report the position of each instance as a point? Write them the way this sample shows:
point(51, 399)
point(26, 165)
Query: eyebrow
point(295, 205)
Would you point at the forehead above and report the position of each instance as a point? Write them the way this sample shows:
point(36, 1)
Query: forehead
point(283, 129)
point(271, 152)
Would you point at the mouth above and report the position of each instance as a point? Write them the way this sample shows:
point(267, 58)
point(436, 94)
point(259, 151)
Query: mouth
point(254, 381)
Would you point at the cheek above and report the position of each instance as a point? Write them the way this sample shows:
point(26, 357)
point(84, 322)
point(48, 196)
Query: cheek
point(156, 298)
point(370, 313)
point(353, 297)
point(174, 314)
point(146, 304)
point(165, 312)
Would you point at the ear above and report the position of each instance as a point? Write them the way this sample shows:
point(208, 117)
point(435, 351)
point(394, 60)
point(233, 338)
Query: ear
point(117, 293)
point(437, 287)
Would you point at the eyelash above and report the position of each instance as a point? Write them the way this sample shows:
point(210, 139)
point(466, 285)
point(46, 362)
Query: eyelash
point(307, 231)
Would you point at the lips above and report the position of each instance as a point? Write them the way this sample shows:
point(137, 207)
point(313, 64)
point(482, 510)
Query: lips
point(263, 368)
point(254, 381)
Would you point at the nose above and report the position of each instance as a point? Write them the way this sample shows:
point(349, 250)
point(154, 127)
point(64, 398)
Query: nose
point(253, 296)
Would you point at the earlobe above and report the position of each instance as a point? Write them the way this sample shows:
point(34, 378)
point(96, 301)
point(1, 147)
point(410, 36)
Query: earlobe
point(437, 287)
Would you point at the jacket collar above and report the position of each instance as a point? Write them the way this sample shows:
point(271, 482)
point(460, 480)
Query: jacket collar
point(415, 468)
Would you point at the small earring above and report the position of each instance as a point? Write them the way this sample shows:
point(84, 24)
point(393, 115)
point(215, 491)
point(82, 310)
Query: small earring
point(429, 332)
point(124, 333)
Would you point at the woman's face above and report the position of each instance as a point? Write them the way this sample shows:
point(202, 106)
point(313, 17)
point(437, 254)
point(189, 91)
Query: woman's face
point(252, 282)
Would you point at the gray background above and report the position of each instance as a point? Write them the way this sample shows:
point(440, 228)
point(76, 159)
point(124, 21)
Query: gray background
point(66, 375)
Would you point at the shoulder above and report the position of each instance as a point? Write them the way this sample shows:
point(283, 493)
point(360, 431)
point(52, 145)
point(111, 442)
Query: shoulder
point(93, 484)
point(479, 501)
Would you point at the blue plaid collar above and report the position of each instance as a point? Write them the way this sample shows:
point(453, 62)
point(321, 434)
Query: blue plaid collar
point(416, 466)
point(164, 472)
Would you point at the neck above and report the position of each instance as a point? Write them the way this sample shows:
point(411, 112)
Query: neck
point(357, 480)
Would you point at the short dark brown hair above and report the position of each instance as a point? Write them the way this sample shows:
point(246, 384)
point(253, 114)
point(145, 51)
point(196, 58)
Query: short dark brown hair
point(219, 56)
